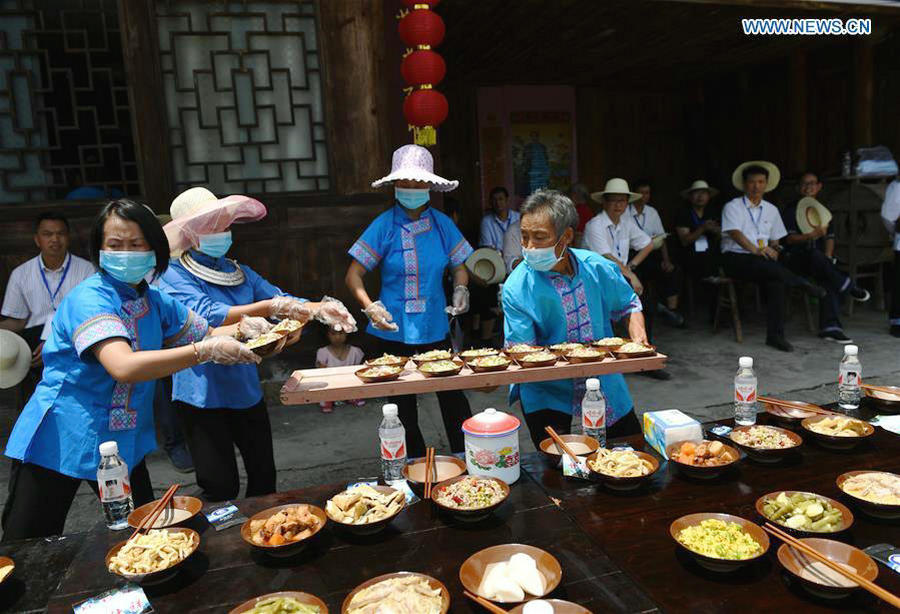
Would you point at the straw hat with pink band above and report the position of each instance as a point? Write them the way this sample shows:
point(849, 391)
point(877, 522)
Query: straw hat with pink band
point(197, 211)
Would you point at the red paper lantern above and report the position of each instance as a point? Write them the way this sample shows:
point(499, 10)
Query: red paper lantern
point(423, 67)
point(421, 27)
point(413, 3)
point(425, 110)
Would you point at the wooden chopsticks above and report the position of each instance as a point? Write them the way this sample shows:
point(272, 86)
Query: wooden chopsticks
point(429, 470)
point(150, 519)
point(561, 444)
point(892, 391)
point(487, 605)
point(807, 407)
point(851, 575)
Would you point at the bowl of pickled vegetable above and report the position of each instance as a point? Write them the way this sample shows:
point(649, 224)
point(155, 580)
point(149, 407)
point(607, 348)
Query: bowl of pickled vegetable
point(804, 513)
point(285, 601)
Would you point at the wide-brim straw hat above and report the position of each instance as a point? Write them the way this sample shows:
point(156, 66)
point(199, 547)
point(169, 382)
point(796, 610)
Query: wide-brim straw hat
point(487, 265)
point(414, 163)
point(15, 358)
point(615, 186)
point(811, 214)
point(737, 179)
point(699, 185)
point(197, 211)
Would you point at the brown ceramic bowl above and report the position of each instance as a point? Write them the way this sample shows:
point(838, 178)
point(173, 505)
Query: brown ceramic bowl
point(400, 362)
point(577, 360)
point(304, 598)
point(288, 327)
point(559, 607)
point(609, 347)
point(713, 563)
point(469, 355)
point(794, 561)
point(420, 361)
point(767, 455)
point(190, 505)
point(433, 582)
point(788, 417)
point(561, 349)
point(888, 511)
point(700, 471)
point(289, 548)
point(4, 562)
point(833, 442)
point(369, 379)
point(548, 447)
point(886, 401)
point(650, 351)
point(846, 514)
point(517, 355)
point(276, 344)
point(614, 483)
point(162, 574)
point(472, 364)
point(448, 467)
point(528, 364)
point(472, 570)
point(459, 365)
point(469, 515)
point(372, 527)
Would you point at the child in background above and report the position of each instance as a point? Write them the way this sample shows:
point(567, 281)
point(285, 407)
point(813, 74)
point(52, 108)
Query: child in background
point(338, 354)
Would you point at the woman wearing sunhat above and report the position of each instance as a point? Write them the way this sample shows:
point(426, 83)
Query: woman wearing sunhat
point(413, 244)
point(111, 337)
point(223, 406)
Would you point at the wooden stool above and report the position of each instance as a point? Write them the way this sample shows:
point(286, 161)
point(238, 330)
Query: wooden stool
point(726, 298)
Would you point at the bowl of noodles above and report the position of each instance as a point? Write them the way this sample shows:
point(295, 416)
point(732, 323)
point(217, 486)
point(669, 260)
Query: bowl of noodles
point(877, 493)
point(152, 556)
point(622, 469)
point(838, 432)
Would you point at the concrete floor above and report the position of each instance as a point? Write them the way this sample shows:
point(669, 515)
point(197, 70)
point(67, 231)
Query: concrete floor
point(312, 448)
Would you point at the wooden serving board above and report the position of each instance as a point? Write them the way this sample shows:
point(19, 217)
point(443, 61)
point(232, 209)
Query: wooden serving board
point(340, 383)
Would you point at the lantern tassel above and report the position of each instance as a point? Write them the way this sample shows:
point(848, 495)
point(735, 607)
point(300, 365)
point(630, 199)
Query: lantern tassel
point(424, 135)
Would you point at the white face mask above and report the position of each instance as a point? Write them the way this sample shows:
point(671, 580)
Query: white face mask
point(541, 258)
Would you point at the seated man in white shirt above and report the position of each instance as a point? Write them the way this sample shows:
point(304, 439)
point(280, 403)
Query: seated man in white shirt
point(890, 214)
point(512, 246)
point(751, 229)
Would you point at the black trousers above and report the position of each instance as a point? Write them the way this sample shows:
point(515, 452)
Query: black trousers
point(453, 403)
point(212, 435)
point(773, 276)
point(561, 422)
point(658, 285)
point(40, 498)
point(815, 264)
point(894, 314)
point(165, 415)
point(698, 265)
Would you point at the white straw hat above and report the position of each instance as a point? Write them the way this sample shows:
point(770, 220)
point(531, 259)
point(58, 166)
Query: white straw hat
point(699, 185)
point(811, 214)
point(487, 265)
point(197, 211)
point(15, 358)
point(737, 178)
point(616, 186)
point(414, 162)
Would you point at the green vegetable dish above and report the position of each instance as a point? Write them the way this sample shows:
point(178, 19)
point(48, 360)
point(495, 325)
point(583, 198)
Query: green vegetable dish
point(283, 605)
point(804, 512)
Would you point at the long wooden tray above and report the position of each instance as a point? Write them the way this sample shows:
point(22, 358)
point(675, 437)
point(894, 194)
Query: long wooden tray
point(340, 383)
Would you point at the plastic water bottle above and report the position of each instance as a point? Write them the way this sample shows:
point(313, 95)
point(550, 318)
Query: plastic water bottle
point(393, 444)
point(115, 489)
point(745, 393)
point(593, 411)
point(849, 375)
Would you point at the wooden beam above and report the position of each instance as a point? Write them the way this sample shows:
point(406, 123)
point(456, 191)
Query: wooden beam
point(798, 106)
point(863, 93)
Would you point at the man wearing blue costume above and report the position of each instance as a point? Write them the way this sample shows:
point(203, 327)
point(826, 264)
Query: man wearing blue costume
point(560, 294)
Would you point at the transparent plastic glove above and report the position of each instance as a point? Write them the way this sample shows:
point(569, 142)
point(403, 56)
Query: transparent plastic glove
point(286, 307)
point(251, 327)
point(225, 350)
point(334, 314)
point(460, 301)
point(381, 318)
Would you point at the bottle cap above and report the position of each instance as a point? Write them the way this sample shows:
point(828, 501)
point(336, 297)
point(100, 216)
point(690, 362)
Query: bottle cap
point(109, 448)
point(389, 410)
point(592, 384)
point(851, 350)
point(746, 361)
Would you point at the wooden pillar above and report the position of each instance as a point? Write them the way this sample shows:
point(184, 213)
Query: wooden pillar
point(799, 104)
point(863, 93)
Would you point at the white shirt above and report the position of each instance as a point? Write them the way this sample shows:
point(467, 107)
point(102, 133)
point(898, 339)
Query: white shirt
point(512, 245)
point(27, 298)
point(604, 237)
point(890, 211)
point(760, 224)
point(647, 220)
point(493, 229)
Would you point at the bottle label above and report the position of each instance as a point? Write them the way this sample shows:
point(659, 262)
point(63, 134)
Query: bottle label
point(113, 489)
point(848, 378)
point(393, 449)
point(744, 393)
point(593, 417)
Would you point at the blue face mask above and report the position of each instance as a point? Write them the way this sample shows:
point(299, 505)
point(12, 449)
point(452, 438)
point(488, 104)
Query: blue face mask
point(411, 198)
point(541, 258)
point(216, 245)
point(127, 267)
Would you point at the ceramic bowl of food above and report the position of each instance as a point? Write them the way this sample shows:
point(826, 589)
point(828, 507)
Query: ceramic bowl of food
point(559, 607)
point(287, 327)
point(877, 493)
point(447, 467)
point(470, 498)
point(702, 459)
point(518, 350)
point(179, 544)
point(489, 364)
point(581, 445)
point(719, 542)
point(837, 432)
point(622, 469)
point(804, 513)
point(888, 400)
point(181, 511)
point(267, 344)
point(585, 354)
point(431, 356)
point(765, 444)
point(7, 566)
point(631, 349)
point(494, 574)
point(610, 344)
point(440, 368)
point(819, 579)
point(365, 510)
point(403, 585)
point(281, 602)
point(789, 417)
point(379, 373)
point(561, 349)
point(544, 358)
point(472, 353)
point(284, 530)
point(388, 360)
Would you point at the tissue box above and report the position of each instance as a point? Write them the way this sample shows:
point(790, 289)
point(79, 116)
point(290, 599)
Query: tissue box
point(662, 428)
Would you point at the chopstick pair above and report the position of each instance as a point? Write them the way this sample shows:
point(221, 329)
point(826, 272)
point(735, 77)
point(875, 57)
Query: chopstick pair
point(150, 519)
point(797, 544)
point(807, 407)
point(487, 605)
point(561, 444)
point(429, 471)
